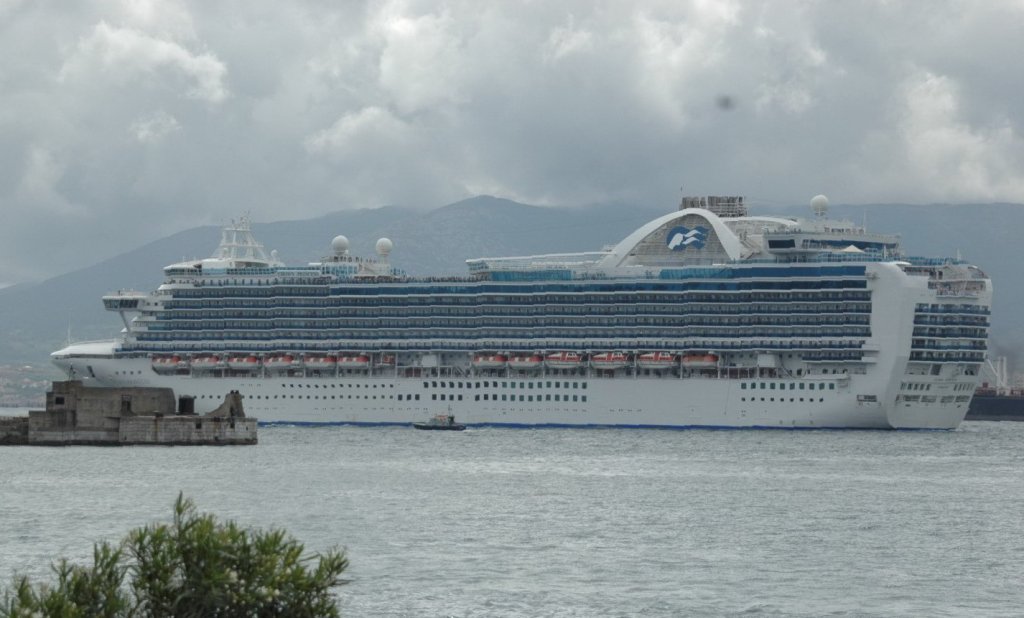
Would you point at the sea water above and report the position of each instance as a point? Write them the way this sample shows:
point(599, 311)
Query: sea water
point(557, 522)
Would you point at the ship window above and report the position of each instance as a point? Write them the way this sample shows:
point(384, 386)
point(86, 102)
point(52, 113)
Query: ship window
point(504, 397)
point(763, 386)
point(832, 386)
point(792, 385)
point(574, 397)
point(772, 385)
point(521, 397)
point(547, 398)
point(417, 397)
point(549, 384)
point(558, 397)
point(558, 385)
point(743, 386)
point(433, 384)
point(801, 386)
point(433, 397)
point(584, 386)
point(575, 384)
point(460, 397)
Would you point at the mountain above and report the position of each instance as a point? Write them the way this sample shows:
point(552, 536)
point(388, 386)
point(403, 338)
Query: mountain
point(37, 316)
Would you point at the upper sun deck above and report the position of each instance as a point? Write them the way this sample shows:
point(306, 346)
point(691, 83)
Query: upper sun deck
point(707, 232)
point(703, 233)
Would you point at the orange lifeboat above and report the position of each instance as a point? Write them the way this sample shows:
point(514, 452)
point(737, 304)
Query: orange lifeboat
point(525, 361)
point(656, 360)
point(281, 362)
point(244, 363)
point(207, 363)
point(700, 361)
point(321, 363)
point(167, 364)
point(357, 361)
point(386, 360)
point(563, 360)
point(609, 360)
point(489, 361)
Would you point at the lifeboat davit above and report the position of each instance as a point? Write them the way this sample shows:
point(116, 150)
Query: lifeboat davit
point(489, 361)
point(700, 361)
point(244, 363)
point(609, 360)
point(321, 363)
point(525, 361)
point(281, 362)
point(168, 364)
point(656, 360)
point(563, 360)
point(358, 361)
point(207, 363)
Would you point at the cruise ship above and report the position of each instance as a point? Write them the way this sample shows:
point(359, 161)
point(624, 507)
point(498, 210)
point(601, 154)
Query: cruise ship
point(704, 317)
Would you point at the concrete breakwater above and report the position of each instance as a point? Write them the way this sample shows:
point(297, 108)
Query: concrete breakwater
point(79, 415)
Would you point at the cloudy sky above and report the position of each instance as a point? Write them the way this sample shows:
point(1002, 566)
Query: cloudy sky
point(122, 121)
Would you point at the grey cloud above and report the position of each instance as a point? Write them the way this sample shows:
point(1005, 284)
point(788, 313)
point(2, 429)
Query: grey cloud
point(122, 122)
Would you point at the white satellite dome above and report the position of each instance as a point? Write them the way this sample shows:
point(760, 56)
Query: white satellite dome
point(819, 204)
point(384, 247)
point(340, 245)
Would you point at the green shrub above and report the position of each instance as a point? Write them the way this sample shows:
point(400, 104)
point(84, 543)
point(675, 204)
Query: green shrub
point(195, 566)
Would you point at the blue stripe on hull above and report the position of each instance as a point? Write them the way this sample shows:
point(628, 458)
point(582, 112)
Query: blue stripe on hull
point(582, 426)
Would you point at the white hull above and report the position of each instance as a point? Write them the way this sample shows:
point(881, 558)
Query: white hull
point(619, 401)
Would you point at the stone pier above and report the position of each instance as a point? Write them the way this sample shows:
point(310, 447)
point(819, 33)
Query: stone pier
point(79, 415)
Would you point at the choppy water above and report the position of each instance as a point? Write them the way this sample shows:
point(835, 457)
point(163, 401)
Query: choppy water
point(497, 522)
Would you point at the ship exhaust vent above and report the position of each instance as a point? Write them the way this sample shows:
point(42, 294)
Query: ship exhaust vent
point(721, 205)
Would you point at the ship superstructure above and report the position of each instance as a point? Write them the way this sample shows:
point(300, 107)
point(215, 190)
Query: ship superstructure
point(705, 316)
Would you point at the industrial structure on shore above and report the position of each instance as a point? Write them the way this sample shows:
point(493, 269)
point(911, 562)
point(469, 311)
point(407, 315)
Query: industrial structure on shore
point(122, 416)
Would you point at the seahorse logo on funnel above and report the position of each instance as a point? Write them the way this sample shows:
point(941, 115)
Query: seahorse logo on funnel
point(681, 237)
